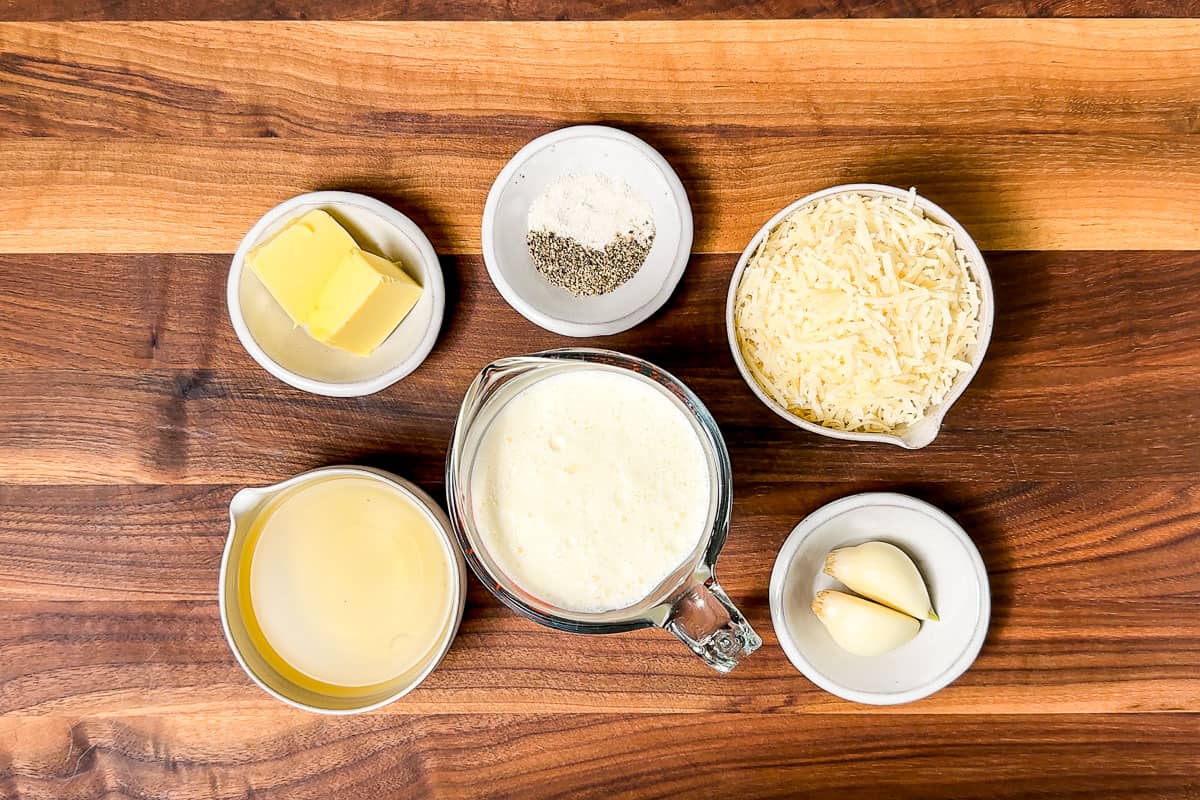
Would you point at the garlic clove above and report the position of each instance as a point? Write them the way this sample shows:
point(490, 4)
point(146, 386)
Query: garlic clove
point(885, 574)
point(860, 626)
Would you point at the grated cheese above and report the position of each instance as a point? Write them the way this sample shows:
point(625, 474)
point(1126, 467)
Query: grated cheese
point(857, 312)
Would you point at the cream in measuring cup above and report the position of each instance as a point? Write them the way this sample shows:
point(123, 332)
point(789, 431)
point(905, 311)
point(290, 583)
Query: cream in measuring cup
point(590, 488)
point(591, 492)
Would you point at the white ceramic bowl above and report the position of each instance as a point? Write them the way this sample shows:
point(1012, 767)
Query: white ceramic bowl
point(584, 149)
point(947, 559)
point(288, 352)
point(244, 509)
point(923, 432)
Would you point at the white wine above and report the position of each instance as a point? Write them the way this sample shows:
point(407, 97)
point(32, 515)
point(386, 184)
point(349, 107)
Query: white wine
point(347, 584)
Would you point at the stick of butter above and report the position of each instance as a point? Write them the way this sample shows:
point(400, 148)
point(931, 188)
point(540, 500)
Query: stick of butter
point(296, 263)
point(363, 301)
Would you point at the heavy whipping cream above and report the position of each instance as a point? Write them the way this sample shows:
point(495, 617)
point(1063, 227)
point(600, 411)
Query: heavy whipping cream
point(590, 488)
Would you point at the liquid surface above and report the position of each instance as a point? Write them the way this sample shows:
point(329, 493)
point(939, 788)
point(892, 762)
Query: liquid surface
point(348, 582)
point(590, 488)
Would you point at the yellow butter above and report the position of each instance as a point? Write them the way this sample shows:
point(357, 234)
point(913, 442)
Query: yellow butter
point(363, 301)
point(296, 263)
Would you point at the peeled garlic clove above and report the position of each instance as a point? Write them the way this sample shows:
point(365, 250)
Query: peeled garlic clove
point(883, 573)
point(860, 626)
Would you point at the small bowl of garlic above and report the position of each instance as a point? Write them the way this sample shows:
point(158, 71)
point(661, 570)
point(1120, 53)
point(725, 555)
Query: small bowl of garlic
point(880, 598)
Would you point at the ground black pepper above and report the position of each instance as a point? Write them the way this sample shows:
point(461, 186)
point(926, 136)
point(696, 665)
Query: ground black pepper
point(585, 271)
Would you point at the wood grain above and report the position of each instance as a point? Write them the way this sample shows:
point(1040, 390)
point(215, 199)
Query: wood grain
point(987, 121)
point(1112, 541)
point(121, 658)
point(583, 9)
point(451, 756)
point(135, 154)
point(205, 427)
point(113, 611)
point(169, 658)
point(169, 395)
point(201, 195)
point(1138, 307)
point(740, 78)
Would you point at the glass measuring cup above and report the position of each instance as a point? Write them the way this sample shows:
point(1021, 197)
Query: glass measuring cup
point(689, 603)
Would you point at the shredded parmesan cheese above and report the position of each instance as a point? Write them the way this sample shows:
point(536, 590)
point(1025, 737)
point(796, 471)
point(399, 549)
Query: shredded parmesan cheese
point(857, 312)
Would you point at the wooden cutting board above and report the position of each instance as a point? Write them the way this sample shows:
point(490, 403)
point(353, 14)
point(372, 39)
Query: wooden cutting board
point(134, 155)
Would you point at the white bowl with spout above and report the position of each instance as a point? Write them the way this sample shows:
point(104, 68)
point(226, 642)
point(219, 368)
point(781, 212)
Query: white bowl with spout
point(924, 431)
point(244, 509)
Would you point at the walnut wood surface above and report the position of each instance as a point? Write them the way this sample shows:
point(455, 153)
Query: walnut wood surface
point(1041, 136)
point(133, 156)
point(1051, 192)
point(731, 80)
point(738, 755)
point(582, 9)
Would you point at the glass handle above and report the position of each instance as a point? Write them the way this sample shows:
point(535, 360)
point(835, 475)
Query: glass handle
point(707, 621)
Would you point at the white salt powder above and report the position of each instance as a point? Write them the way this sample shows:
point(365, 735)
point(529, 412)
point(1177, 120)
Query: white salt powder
point(593, 209)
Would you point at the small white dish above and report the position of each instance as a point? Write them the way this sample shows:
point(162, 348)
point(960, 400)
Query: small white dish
point(947, 559)
point(288, 352)
point(925, 431)
point(244, 509)
point(575, 150)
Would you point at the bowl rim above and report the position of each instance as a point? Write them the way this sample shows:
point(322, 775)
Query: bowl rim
point(459, 461)
point(813, 521)
point(566, 327)
point(434, 284)
point(979, 271)
point(445, 531)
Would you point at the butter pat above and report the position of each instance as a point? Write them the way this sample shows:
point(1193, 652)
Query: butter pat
point(345, 297)
point(363, 301)
point(296, 263)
